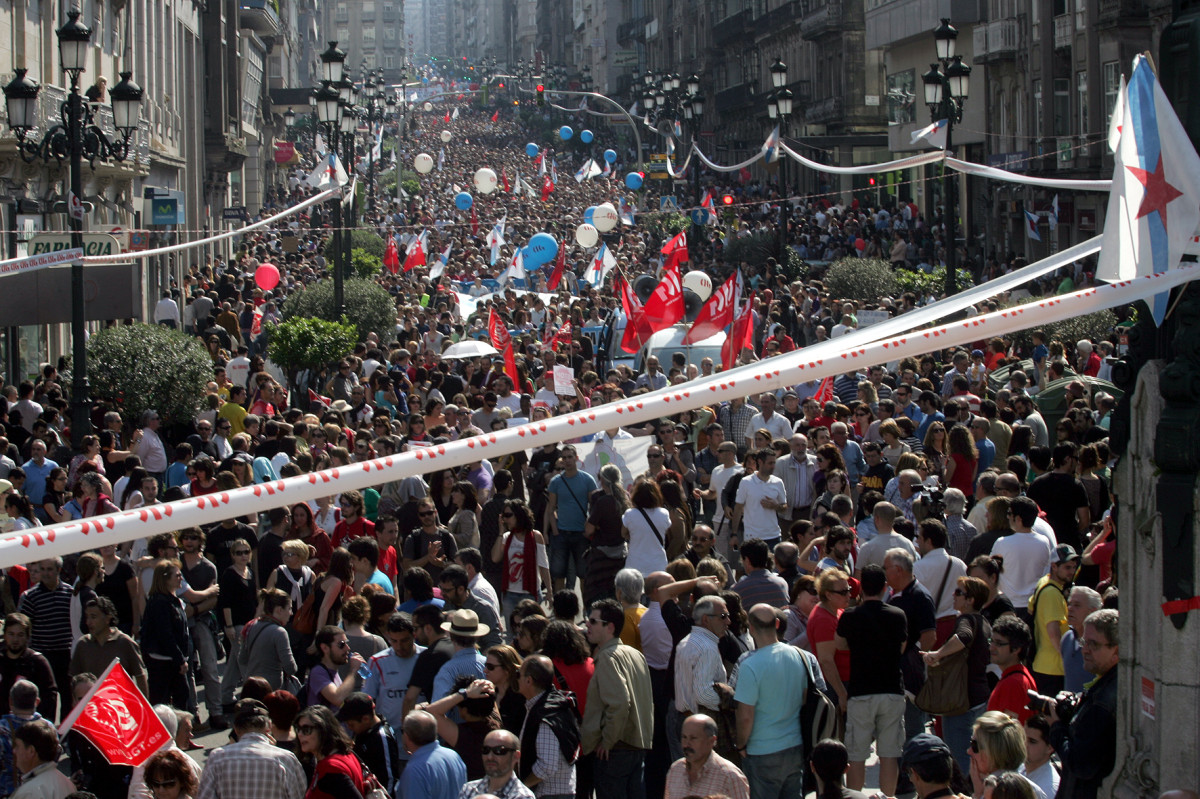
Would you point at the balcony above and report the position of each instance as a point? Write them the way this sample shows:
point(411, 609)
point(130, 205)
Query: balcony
point(996, 41)
point(1119, 12)
point(731, 28)
point(260, 16)
point(822, 21)
point(773, 22)
point(735, 98)
point(1064, 31)
point(824, 111)
point(633, 31)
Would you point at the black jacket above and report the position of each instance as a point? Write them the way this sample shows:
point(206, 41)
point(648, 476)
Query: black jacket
point(1088, 745)
point(557, 710)
point(164, 629)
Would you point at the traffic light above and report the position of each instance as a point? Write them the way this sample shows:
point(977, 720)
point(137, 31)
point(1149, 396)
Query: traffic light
point(727, 199)
point(541, 94)
point(501, 84)
point(870, 181)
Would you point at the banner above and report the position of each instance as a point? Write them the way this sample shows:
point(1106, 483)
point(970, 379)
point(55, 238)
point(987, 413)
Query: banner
point(117, 719)
point(33, 263)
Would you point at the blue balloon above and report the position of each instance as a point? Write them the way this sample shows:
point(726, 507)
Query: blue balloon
point(633, 180)
point(587, 214)
point(531, 150)
point(586, 136)
point(463, 201)
point(565, 132)
point(610, 156)
point(542, 249)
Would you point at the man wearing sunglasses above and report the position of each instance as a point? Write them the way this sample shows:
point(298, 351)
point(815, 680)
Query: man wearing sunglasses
point(501, 752)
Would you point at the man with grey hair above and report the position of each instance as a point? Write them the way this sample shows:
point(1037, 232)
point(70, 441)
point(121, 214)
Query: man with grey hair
point(985, 492)
point(628, 586)
point(884, 515)
point(698, 668)
point(433, 771)
point(137, 782)
point(908, 487)
point(1081, 602)
point(959, 531)
point(915, 600)
point(701, 771)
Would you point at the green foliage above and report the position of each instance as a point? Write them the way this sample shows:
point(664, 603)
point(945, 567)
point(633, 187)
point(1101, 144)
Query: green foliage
point(140, 367)
point(1092, 326)
point(411, 185)
point(757, 248)
point(925, 283)
point(362, 240)
point(663, 224)
point(309, 343)
point(863, 279)
point(369, 307)
point(364, 264)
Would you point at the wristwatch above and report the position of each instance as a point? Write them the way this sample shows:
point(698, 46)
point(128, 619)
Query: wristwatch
point(463, 693)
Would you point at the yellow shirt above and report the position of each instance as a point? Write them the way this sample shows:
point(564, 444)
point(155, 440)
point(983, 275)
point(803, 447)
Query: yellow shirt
point(1050, 606)
point(235, 414)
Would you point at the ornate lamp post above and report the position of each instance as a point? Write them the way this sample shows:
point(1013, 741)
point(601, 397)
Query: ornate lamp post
point(779, 107)
point(76, 137)
point(329, 114)
point(946, 88)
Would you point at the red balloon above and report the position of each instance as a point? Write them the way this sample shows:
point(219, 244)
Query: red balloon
point(266, 277)
point(860, 244)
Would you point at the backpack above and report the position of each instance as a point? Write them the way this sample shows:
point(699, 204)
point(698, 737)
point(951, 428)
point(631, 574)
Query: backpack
point(306, 688)
point(1032, 622)
point(305, 619)
point(819, 715)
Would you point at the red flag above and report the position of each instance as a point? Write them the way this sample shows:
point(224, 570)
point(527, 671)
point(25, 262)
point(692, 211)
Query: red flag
point(560, 266)
point(665, 306)
point(547, 187)
point(496, 115)
point(740, 336)
point(256, 325)
point(563, 337)
point(474, 222)
point(676, 248)
point(502, 341)
point(415, 255)
point(391, 256)
point(118, 720)
point(635, 317)
point(316, 399)
point(504, 177)
point(447, 116)
point(824, 391)
point(717, 313)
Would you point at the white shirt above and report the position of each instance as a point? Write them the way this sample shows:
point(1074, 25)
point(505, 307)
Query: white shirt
point(778, 426)
point(646, 553)
point(238, 370)
point(166, 309)
point(930, 569)
point(1043, 528)
point(656, 638)
point(547, 396)
point(697, 666)
point(1044, 777)
point(721, 476)
point(757, 521)
point(1027, 559)
point(482, 590)
point(874, 550)
point(512, 402)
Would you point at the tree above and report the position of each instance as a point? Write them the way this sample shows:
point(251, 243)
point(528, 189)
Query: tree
point(757, 248)
point(369, 306)
point(140, 367)
point(363, 264)
point(362, 240)
point(309, 343)
point(863, 279)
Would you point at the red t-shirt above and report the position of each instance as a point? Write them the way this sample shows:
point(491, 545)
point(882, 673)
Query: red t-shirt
point(822, 627)
point(1102, 556)
point(357, 529)
point(347, 764)
point(1009, 694)
point(578, 677)
point(387, 561)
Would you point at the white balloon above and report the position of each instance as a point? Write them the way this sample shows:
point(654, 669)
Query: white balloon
point(698, 282)
point(605, 217)
point(586, 235)
point(428, 106)
point(446, 135)
point(485, 180)
point(423, 163)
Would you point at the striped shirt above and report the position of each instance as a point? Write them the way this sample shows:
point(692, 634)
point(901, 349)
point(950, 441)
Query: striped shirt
point(50, 611)
point(697, 666)
point(718, 777)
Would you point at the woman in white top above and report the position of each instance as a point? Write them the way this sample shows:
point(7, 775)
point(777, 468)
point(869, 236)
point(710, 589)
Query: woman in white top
point(645, 527)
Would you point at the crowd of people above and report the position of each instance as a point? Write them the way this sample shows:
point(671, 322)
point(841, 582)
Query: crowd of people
point(913, 547)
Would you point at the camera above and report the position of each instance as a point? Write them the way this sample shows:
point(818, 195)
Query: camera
point(929, 504)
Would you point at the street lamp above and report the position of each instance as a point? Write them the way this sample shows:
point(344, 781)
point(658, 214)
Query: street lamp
point(81, 137)
point(779, 108)
point(947, 84)
point(329, 113)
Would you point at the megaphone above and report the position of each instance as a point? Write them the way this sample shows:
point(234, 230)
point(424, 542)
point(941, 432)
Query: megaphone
point(644, 286)
point(691, 305)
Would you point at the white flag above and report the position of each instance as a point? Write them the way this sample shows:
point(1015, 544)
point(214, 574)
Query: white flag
point(935, 134)
point(328, 174)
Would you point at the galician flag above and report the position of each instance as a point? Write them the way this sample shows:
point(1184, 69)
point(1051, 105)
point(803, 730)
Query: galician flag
point(439, 266)
point(1154, 203)
point(1031, 226)
point(328, 174)
point(935, 134)
point(771, 146)
point(601, 265)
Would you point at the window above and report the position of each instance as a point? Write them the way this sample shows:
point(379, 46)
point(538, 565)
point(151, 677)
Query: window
point(901, 96)
point(1081, 94)
point(1037, 109)
point(1062, 106)
point(252, 86)
point(1112, 87)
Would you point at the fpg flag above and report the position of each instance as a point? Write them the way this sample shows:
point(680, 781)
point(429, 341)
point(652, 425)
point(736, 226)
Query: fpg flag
point(502, 341)
point(416, 253)
point(118, 720)
point(633, 338)
point(717, 313)
point(547, 187)
point(676, 250)
point(665, 306)
point(391, 256)
point(741, 336)
point(1154, 204)
point(824, 392)
point(560, 266)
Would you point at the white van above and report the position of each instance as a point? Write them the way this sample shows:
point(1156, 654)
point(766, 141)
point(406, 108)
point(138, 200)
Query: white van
point(663, 345)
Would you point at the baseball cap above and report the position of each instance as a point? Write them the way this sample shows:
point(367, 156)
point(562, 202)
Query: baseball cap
point(923, 747)
point(1064, 553)
point(976, 353)
point(357, 705)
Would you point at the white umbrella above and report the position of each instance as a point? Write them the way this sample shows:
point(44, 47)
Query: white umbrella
point(469, 349)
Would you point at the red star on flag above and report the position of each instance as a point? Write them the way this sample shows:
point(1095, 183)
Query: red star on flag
point(1159, 193)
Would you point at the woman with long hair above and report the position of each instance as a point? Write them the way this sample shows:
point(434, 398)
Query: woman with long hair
point(304, 528)
point(645, 527)
point(892, 446)
point(441, 486)
point(829, 761)
point(829, 457)
point(90, 454)
point(95, 502)
point(608, 549)
point(502, 666)
point(464, 524)
point(988, 569)
point(267, 649)
point(166, 642)
point(935, 450)
point(522, 551)
point(131, 495)
point(235, 606)
point(568, 650)
point(800, 606)
point(56, 496)
point(833, 592)
point(88, 572)
point(680, 512)
point(960, 466)
point(20, 510)
point(836, 483)
point(119, 583)
point(325, 745)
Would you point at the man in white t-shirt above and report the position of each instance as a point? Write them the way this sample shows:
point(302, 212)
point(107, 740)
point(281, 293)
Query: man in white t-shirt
point(778, 426)
point(238, 368)
point(546, 394)
point(505, 398)
point(725, 469)
point(759, 496)
point(1027, 556)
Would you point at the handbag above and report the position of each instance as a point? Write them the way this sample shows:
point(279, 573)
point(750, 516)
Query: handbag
point(945, 689)
point(305, 619)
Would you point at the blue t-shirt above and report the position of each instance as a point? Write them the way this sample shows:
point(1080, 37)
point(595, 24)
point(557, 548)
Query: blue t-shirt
point(380, 579)
point(572, 496)
point(774, 681)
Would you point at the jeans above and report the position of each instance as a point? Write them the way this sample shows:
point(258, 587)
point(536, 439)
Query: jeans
point(914, 720)
point(674, 731)
point(779, 775)
point(566, 555)
point(206, 648)
point(621, 774)
point(956, 732)
point(231, 680)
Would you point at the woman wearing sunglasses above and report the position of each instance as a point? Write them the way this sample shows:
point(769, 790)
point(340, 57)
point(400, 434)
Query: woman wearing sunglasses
point(327, 748)
point(169, 776)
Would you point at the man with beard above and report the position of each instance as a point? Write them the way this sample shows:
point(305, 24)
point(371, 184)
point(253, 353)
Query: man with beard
point(325, 685)
point(21, 662)
point(701, 771)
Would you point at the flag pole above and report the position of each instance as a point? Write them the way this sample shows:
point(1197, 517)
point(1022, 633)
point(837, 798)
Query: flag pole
point(82, 704)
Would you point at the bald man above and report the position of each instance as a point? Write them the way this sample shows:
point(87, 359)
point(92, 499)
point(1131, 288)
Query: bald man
point(501, 754)
point(701, 771)
point(433, 770)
